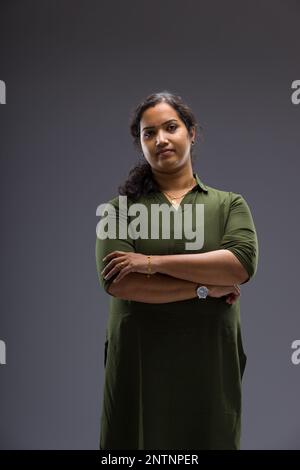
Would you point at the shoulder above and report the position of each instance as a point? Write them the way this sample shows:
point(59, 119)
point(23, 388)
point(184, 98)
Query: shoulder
point(227, 201)
point(222, 195)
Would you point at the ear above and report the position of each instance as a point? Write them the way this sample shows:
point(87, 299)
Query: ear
point(192, 133)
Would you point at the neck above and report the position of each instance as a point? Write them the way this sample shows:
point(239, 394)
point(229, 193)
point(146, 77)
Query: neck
point(177, 181)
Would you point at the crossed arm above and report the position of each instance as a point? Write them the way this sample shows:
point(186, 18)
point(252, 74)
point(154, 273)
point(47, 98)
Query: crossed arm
point(177, 276)
point(218, 267)
point(180, 275)
point(159, 288)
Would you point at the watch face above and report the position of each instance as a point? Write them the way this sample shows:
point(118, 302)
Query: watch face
point(202, 292)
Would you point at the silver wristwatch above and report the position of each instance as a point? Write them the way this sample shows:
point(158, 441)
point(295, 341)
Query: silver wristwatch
point(202, 292)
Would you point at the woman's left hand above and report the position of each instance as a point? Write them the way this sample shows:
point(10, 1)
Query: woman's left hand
point(123, 262)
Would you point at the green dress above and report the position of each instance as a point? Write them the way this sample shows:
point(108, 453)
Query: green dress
point(173, 370)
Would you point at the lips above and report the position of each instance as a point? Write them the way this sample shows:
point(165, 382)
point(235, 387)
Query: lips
point(165, 152)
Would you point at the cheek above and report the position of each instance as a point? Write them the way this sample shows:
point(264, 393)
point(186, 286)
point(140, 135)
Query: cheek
point(147, 150)
point(181, 143)
point(180, 138)
point(148, 155)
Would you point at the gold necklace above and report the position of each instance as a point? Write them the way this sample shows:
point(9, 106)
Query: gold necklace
point(173, 198)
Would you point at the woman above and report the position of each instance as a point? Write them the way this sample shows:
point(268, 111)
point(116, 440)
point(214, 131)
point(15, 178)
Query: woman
point(174, 358)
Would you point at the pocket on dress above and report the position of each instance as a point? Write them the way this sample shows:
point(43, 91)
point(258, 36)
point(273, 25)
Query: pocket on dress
point(243, 361)
point(105, 351)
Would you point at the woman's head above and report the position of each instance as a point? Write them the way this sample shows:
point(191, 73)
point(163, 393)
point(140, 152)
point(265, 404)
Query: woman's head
point(170, 124)
point(160, 122)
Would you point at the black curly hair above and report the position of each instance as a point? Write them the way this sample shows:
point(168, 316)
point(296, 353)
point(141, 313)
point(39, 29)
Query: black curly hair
point(140, 180)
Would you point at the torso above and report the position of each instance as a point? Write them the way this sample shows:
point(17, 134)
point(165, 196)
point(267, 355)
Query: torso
point(153, 349)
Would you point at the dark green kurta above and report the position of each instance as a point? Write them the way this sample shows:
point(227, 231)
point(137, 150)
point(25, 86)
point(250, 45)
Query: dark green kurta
point(173, 371)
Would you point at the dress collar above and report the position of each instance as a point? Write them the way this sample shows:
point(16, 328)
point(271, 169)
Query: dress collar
point(199, 183)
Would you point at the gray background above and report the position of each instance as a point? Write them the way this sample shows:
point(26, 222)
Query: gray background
point(74, 70)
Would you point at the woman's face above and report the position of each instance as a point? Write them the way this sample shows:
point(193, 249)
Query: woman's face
point(160, 129)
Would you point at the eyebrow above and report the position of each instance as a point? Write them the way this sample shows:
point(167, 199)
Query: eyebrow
point(152, 127)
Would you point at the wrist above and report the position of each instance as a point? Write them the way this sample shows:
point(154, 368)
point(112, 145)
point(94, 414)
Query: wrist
point(203, 290)
point(195, 287)
point(155, 263)
point(210, 291)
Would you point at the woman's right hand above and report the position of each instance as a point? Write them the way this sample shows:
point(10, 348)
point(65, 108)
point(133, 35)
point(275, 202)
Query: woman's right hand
point(232, 292)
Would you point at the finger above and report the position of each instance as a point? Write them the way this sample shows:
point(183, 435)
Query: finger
point(112, 255)
point(236, 288)
point(122, 274)
point(111, 273)
point(231, 298)
point(108, 267)
point(234, 298)
point(115, 270)
point(111, 264)
point(108, 256)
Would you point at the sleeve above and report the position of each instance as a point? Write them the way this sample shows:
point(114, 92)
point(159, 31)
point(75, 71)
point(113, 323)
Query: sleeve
point(240, 234)
point(111, 235)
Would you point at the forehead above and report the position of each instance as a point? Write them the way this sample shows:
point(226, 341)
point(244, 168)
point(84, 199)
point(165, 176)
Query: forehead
point(158, 114)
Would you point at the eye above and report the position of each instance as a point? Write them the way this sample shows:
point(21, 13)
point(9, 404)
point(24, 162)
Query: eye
point(172, 127)
point(147, 134)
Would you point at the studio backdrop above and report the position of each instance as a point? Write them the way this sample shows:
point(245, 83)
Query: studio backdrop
point(71, 73)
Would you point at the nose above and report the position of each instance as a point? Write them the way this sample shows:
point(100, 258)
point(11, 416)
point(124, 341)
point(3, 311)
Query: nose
point(161, 138)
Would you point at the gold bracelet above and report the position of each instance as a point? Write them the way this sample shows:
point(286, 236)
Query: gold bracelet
point(149, 267)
